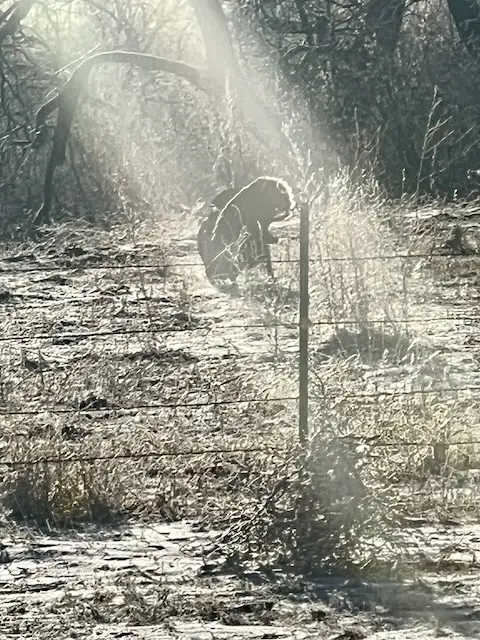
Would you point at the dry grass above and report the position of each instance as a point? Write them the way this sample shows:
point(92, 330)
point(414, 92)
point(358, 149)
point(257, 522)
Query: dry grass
point(391, 436)
point(101, 442)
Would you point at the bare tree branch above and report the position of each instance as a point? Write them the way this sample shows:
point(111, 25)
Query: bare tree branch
point(223, 70)
point(11, 19)
point(67, 99)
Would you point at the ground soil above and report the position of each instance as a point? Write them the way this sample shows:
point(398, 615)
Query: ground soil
point(111, 348)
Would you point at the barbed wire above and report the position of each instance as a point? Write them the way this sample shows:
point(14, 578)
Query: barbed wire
point(80, 335)
point(376, 442)
point(219, 403)
point(100, 334)
point(144, 407)
point(188, 265)
point(61, 460)
point(57, 460)
point(399, 392)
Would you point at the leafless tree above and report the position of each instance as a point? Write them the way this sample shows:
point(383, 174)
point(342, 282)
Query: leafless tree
point(221, 71)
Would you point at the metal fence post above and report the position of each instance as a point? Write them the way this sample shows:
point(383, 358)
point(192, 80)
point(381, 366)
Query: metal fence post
point(303, 326)
point(301, 520)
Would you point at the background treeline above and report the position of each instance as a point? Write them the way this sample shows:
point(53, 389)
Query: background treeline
point(389, 87)
point(392, 85)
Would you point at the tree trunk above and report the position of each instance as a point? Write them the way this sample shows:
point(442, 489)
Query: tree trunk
point(219, 51)
point(466, 15)
point(304, 21)
point(223, 66)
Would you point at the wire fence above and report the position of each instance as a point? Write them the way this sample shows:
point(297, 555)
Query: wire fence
point(303, 402)
point(161, 266)
point(71, 459)
point(152, 330)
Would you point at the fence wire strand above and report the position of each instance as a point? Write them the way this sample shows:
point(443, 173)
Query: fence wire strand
point(220, 403)
point(162, 266)
point(357, 440)
point(372, 442)
point(81, 335)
